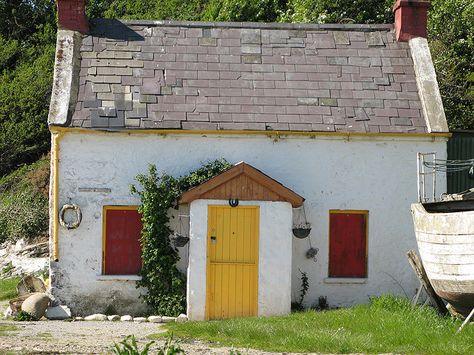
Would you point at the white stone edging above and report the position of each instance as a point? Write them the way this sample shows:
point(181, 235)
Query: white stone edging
point(98, 317)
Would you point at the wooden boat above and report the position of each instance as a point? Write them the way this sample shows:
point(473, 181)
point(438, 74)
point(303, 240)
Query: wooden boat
point(445, 236)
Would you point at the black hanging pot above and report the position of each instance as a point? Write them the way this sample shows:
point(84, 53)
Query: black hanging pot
point(179, 240)
point(301, 232)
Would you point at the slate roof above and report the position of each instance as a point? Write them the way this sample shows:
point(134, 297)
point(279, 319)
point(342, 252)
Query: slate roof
point(236, 76)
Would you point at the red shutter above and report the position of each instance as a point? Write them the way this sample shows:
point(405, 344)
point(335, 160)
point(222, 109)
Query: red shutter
point(122, 242)
point(348, 244)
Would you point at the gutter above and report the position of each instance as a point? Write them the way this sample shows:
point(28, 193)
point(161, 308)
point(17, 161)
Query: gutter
point(270, 134)
point(54, 214)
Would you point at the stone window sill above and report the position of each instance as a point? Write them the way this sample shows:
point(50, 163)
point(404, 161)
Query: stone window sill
point(118, 278)
point(344, 280)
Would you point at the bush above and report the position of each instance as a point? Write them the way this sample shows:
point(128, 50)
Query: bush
point(24, 202)
point(165, 284)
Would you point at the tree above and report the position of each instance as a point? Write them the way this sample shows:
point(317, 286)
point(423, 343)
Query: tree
point(339, 11)
point(451, 37)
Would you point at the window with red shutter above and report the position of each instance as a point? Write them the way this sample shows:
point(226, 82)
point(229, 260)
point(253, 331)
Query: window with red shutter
point(121, 249)
point(348, 243)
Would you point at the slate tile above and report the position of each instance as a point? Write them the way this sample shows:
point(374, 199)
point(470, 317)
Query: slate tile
point(361, 115)
point(328, 102)
point(92, 103)
point(371, 103)
point(208, 41)
point(274, 126)
point(136, 113)
point(400, 121)
point(132, 122)
point(374, 39)
point(250, 36)
point(150, 86)
point(100, 87)
point(150, 99)
point(307, 101)
point(142, 56)
point(324, 41)
point(107, 112)
point(253, 126)
point(408, 112)
point(117, 122)
point(121, 104)
point(252, 59)
point(341, 38)
point(97, 121)
point(322, 127)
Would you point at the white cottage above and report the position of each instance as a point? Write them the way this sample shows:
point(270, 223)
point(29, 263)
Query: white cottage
point(326, 117)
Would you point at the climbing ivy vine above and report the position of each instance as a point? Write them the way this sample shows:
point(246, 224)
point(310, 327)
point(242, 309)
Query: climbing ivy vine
point(165, 283)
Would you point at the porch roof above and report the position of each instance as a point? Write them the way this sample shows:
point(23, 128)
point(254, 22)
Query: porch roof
point(242, 182)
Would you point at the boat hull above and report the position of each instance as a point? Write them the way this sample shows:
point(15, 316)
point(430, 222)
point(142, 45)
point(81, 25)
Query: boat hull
point(446, 245)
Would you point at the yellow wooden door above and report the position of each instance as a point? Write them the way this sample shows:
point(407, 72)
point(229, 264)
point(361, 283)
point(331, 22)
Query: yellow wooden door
point(232, 262)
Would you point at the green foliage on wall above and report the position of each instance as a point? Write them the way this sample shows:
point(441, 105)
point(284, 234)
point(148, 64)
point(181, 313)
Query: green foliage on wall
point(165, 284)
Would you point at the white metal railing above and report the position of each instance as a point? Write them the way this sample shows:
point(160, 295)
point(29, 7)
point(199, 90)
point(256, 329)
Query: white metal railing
point(424, 172)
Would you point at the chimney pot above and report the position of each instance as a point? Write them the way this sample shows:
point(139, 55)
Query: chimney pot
point(72, 15)
point(410, 19)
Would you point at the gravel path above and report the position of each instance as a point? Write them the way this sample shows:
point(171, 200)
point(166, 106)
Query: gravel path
point(59, 337)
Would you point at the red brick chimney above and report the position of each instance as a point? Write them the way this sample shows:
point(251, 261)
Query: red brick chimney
point(410, 19)
point(72, 15)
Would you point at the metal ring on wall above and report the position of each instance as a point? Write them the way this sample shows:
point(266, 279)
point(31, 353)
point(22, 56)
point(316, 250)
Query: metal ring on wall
point(70, 225)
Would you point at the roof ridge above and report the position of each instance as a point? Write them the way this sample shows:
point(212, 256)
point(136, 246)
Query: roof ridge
point(257, 25)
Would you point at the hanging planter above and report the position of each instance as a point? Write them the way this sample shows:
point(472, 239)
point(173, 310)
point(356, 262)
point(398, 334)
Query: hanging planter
point(302, 231)
point(179, 240)
point(301, 227)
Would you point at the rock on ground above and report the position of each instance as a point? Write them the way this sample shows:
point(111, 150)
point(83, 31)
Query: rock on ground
point(58, 313)
point(139, 319)
point(30, 284)
point(96, 317)
point(36, 305)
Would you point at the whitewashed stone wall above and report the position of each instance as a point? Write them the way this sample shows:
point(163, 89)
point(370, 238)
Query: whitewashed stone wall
point(375, 174)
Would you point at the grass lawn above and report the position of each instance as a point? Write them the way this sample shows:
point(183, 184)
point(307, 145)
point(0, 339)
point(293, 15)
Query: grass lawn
point(387, 325)
point(8, 288)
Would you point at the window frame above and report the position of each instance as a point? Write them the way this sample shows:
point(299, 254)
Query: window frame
point(347, 279)
point(105, 209)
